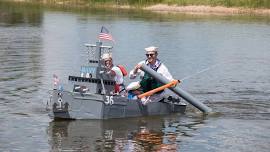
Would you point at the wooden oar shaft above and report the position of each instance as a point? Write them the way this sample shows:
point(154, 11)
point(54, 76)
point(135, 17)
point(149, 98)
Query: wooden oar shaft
point(149, 93)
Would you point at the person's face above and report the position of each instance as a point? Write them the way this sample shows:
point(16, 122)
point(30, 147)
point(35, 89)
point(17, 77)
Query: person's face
point(151, 56)
point(108, 63)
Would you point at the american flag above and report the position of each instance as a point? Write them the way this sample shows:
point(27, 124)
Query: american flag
point(105, 35)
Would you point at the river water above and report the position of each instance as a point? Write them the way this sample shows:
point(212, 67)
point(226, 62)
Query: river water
point(223, 61)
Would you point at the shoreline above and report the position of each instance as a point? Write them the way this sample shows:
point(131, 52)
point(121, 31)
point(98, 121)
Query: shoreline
point(159, 8)
point(206, 10)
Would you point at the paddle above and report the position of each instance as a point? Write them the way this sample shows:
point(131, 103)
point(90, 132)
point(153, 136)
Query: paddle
point(151, 92)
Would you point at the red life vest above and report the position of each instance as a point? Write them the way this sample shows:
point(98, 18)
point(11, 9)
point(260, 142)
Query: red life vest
point(123, 70)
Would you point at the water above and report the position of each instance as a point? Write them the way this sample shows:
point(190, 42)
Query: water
point(36, 43)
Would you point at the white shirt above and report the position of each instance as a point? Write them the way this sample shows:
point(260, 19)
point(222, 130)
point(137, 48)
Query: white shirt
point(118, 78)
point(163, 70)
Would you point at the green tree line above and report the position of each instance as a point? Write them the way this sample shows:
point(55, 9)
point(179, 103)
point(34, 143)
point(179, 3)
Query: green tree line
point(227, 3)
point(144, 3)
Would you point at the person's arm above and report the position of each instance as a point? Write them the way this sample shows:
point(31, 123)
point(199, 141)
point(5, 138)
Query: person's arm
point(119, 78)
point(136, 71)
point(116, 71)
point(163, 70)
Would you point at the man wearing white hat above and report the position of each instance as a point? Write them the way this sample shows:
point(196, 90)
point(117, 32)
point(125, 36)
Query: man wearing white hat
point(114, 71)
point(148, 83)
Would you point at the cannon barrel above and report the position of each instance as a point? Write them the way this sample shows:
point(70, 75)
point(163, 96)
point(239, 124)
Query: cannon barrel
point(177, 90)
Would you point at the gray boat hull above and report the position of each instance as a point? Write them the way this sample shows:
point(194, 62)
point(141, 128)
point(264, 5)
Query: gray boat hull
point(72, 105)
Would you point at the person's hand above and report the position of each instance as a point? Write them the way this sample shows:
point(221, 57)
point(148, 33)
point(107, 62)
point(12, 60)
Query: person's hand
point(137, 67)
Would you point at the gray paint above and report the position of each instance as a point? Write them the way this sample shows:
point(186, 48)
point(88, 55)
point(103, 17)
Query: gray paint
point(74, 103)
point(177, 90)
point(92, 106)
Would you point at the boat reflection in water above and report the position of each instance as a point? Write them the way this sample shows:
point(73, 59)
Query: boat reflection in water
point(135, 134)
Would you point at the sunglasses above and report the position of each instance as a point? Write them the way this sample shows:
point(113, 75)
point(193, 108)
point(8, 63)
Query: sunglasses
point(149, 55)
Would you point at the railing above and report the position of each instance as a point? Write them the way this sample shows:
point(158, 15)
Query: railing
point(90, 80)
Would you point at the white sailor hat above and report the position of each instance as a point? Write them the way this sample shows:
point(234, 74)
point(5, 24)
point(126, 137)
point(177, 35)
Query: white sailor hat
point(106, 56)
point(151, 49)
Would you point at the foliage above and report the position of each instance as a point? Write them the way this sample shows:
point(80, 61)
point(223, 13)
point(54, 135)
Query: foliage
point(143, 3)
point(227, 3)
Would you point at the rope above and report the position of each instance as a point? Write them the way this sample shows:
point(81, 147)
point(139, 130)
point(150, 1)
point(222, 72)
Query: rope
point(201, 71)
